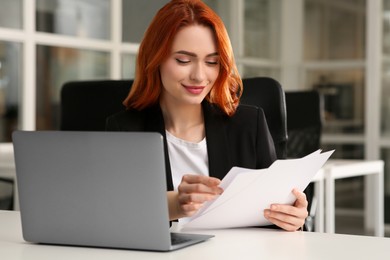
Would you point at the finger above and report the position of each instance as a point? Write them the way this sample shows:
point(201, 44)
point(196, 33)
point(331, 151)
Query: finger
point(301, 198)
point(194, 183)
point(194, 198)
point(199, 188)
point(190, 209)
point(299, 212)
point(206, 180)
point(284, 225)
point(291, 219)
point(284, 221)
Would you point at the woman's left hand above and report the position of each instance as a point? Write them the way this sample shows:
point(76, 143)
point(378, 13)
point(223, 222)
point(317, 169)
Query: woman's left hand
point(290, 218)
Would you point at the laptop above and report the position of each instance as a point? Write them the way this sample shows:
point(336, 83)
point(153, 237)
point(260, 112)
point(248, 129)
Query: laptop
point(100, 189)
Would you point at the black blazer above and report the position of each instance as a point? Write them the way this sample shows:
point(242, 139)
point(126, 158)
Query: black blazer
point(242, 140)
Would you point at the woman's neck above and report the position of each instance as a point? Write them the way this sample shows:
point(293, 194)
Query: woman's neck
point(185, 121)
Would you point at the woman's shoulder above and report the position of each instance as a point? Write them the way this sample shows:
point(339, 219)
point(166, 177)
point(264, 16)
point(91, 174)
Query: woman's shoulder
point(245, 115)
point(246, 112)
point(242, 110)
point(249, 109)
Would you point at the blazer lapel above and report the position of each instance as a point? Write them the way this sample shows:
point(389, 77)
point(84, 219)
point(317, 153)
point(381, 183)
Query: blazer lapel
point(155, 123)
point(217, 141)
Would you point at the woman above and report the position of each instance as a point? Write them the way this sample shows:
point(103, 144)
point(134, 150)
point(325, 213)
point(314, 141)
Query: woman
point(187, 88)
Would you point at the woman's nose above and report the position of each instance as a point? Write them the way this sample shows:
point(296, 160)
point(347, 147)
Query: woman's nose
point(198, 73)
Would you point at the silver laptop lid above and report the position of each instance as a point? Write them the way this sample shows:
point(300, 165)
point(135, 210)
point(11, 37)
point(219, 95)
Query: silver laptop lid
point(93, 188)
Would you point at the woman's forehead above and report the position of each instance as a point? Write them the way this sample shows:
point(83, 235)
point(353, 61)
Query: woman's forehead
point(196, 39)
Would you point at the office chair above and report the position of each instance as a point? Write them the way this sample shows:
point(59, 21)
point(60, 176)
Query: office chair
point(85, 105)
point(304, 128)
point(304, 122)
point(268, 94)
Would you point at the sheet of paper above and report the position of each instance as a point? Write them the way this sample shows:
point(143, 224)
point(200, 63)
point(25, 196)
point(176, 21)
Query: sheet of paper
point(248, 192)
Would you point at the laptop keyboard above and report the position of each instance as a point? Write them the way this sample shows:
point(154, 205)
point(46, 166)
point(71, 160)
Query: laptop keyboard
point(179, 239)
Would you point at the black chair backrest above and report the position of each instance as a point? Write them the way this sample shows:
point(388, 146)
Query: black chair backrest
point(304, 128)
point(85, 105)
point(304, 122)
point(268, 94)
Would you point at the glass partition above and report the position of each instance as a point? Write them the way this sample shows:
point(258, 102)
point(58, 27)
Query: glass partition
point(342, 151)
point(385, 156)
point(251, 71)
point(335, 29)
point(128, 66)
point(262, 29)
point(134, 24)
point(11, 14)
point(81, 18)
point(11, 81)
point(56, 66)
point(385, 107)
point(385, 102)
point(343, 95)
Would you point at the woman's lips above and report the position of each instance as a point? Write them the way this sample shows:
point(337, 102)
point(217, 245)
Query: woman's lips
point(194, 89)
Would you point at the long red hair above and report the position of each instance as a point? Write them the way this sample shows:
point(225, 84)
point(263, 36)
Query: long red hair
point(156, 47)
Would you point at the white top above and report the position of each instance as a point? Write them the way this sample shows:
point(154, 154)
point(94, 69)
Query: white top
point(186, 158)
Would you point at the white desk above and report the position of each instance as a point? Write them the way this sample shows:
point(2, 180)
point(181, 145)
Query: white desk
point(250, 243)
point(374, 194)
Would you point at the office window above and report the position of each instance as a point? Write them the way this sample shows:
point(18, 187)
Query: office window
point(56, 66)
point(342, 151)
point(343, 95)
point(10, 86)
point(82, 18)
point(334, 29)
point(11, 14)
point(385, 111)
point(385, 156)
point(213, 4)
point(134, 24)
point(261, 29)
point(258, 49)
point(251, 71)
point(128, 66)
point(385, 108)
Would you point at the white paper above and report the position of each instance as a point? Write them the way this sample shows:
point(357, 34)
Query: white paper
point(248, 192)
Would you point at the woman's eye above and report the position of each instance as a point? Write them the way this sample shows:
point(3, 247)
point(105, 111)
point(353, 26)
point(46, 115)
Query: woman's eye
point(181, 61)
point(212, 62)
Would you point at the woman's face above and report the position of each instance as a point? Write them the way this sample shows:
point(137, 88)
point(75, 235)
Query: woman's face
point(189, 72)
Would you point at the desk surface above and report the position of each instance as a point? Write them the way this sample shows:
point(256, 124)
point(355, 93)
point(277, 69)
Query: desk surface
point(249, 243)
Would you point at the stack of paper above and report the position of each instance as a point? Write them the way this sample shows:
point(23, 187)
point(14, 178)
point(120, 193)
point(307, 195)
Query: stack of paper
point(248, 192)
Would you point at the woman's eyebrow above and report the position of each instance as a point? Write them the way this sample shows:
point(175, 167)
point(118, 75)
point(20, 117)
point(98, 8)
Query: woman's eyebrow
point(194, 54)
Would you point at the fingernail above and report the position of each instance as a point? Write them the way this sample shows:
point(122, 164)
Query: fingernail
point(274, 207)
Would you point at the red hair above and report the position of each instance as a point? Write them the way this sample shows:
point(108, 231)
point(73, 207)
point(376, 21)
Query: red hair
point(156, 47)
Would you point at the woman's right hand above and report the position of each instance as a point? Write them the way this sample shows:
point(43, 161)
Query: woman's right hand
point(193, 191)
